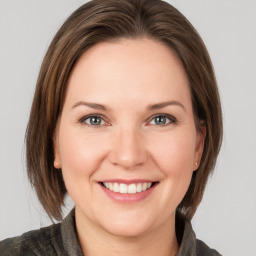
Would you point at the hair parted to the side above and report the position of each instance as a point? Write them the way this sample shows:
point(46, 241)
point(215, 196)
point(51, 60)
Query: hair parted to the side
point(99, 21)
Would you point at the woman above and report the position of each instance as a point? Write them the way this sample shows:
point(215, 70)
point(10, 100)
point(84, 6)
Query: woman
point(126, 119)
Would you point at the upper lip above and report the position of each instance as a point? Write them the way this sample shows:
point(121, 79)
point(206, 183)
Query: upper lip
point(132, 181)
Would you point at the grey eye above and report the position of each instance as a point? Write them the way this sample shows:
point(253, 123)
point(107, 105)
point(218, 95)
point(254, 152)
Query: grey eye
point(162, 120)
point(94, 121)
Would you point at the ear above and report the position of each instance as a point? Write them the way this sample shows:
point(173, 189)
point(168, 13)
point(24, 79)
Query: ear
point(55, 139)
point(201, 134)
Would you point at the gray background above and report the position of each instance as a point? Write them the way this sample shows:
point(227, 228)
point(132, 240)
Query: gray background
point(226, 217)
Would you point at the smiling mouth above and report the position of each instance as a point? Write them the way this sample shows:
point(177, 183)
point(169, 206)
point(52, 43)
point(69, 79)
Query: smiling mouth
point(128, 189)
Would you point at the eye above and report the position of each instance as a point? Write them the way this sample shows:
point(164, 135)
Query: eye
point(162, 120)
point(93, 120)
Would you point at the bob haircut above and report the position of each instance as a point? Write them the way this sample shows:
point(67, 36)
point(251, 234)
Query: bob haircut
point(110, 20)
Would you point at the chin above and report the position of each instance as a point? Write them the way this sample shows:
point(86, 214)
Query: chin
point(129, 227)
point(126, 231)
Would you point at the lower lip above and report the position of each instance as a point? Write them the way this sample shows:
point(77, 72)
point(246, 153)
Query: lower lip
point(128, 198)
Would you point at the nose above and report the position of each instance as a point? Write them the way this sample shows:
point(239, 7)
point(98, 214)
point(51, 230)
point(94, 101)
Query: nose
point(128, 149)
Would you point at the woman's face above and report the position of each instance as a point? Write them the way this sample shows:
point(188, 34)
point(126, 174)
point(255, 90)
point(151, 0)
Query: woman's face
point(126, 140)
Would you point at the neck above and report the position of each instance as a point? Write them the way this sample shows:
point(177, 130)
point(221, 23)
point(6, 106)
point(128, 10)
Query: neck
point(96, 241)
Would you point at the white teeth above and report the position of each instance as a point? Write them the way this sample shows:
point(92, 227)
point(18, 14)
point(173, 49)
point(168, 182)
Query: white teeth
point(132, 189)
point(144, 186)
point(127, 189)
point(139, 187)
point(123, 188)
point(116, 187)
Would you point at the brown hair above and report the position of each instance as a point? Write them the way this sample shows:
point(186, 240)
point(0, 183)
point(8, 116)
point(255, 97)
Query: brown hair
point(98, 21)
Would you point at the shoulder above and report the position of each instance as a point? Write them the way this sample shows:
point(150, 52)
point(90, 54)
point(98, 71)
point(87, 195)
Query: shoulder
point(189, 244)
point(57, 239)
point(36, 242)
point(203, 249)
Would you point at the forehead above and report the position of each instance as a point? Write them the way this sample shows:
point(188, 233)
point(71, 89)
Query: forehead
point(128, 67)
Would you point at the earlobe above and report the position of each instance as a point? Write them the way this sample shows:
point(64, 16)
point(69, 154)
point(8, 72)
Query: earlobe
point(57, 162)
point(199, 145)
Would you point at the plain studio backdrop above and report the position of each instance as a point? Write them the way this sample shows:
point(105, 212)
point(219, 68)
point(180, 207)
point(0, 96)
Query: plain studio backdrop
point(225, 219)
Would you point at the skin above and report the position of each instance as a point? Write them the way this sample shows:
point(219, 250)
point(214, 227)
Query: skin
point(126, 77)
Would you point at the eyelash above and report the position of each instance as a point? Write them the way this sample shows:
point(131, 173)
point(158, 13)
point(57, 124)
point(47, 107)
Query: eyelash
point(83, 120)
point(172, 120)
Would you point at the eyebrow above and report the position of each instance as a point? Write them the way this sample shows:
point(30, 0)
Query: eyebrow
point(150, 107)
point(90, 105)
point(165, 104)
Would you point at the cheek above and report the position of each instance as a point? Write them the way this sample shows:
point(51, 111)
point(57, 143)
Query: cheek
point(174, 153)
point(174, 158)
point(80, 156)
point(80, 153)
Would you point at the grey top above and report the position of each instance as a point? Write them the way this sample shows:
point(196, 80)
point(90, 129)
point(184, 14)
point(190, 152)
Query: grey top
point(61, 239)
